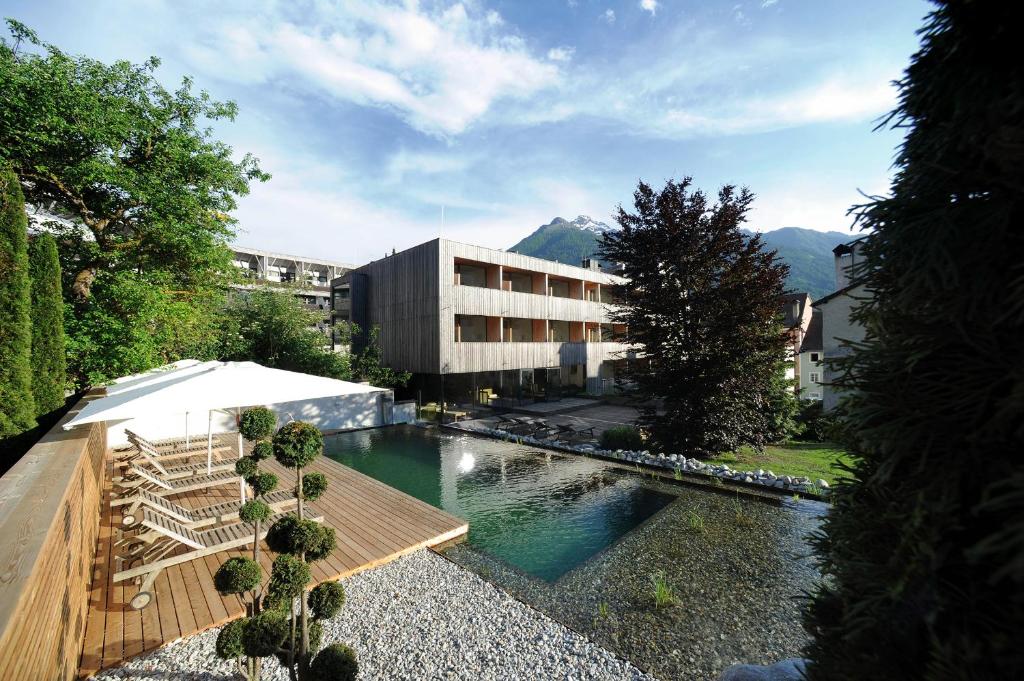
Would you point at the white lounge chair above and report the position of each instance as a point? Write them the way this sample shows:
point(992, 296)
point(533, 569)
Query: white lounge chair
point(149, 481)
point(223, 512)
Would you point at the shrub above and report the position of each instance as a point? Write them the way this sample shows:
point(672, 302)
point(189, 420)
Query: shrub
point(313, 485)
point(291, 535)
point(257, 424)
point(316, 637)
point(622, 437)
point(253, 511)
point(288, 578)
point(262, 483)
point(237, 575)
point(246, 466)
point(229, 641)
point(326, 600)
point(336, 662)
point(49, 364)
point(264, 633)
point(17, 406)
point(297, 443)
point(262, 450)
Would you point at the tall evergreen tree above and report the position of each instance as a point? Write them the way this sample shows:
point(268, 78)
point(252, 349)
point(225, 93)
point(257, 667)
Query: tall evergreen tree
point(924, 547)
point(17, 411)
point(49, 365)
point(702, 309)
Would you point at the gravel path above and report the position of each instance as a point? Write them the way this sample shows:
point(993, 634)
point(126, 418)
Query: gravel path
point(420, 617)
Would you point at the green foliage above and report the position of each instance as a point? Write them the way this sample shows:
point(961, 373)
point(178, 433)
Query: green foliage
point(313, 485)
point(316, 635)
point(246, 466)
point(262, 450)
point(696, 279)
point(237, 575)
point(293, 536)
point(812, 460)
point(326, 600)
point(17, 407)
point(257, 423)
point(146, 189)
point(49, 363)
point(288, 578)
point(366, 365)
point(336, 662)
point(602, 610)
point(253, 511)
point(923, 548)
point(229, 641)
point(296, 444)
point(661, 591)
point(271, 327)
point(622, 437)
point(262, 483)
point(781, 407)
point(695, 521)
point(814, 425)
point(265, 633)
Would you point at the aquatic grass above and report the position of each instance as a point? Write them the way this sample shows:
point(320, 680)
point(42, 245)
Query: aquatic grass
point(695, 521)
point(662, 592)
point(743, 519)
point(677, 474)
point(602, 610)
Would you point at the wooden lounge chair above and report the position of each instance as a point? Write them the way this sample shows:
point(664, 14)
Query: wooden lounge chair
point(153, 548)
point(225, 511)
point(157, 469)
point(569, 433)
point(142, 450)
point(147, 480)
point(174, 444)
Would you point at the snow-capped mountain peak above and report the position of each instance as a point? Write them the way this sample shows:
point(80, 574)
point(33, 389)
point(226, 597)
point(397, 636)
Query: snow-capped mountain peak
point(587, 223)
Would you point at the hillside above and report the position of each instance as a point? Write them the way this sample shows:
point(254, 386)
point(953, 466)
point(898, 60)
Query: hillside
point(807, 252)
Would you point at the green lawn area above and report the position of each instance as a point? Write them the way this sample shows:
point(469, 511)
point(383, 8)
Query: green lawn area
point(811, 459)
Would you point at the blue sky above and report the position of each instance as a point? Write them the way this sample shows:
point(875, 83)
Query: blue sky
point(372, 116)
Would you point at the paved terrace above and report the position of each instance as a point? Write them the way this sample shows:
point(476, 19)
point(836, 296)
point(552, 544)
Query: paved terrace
point(374, 523)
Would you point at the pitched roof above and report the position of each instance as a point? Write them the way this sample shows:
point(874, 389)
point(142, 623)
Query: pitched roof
point(813, 340)
point(789, 319)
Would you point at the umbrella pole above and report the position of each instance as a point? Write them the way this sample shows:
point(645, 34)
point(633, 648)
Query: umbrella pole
point(186, 431)
point(209, 443)
point(241, 485)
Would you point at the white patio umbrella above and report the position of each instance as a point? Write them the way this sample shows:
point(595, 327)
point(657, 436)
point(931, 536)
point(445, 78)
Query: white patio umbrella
point(215, 386)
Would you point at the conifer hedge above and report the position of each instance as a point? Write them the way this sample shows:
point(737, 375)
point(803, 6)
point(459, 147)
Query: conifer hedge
point(925, 550)
point(17, 410)
point(49, 364)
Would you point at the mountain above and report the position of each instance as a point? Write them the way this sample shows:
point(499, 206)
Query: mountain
point(807, 252)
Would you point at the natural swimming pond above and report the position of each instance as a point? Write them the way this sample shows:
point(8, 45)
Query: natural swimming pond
point(543, 514)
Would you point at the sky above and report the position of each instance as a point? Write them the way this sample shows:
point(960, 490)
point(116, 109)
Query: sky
point(387, 124)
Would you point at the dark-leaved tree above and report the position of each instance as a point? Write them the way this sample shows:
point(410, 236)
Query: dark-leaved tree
point(701, 310)
point(17, 410)
point(924, 546)
point(49, 366)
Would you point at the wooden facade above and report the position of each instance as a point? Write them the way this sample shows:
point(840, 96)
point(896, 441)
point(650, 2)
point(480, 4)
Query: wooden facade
point(49, 522)
point(415, 297)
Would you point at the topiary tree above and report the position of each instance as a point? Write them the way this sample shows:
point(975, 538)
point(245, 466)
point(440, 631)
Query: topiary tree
point(300, 541)
point(49, 364)
point(923, 548)
point(17, 405)
point(244, 575)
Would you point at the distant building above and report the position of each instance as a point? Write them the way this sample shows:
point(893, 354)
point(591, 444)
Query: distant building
point(809, 361)
point(482, 325)
point(308, 278)
point(837, 326)
point(796, 318)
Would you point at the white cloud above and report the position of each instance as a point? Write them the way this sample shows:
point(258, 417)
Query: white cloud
point(562, 54)
point(768, 3)
point(440, 71)
point(609, 16)
point(649, 6)
point(813, 202)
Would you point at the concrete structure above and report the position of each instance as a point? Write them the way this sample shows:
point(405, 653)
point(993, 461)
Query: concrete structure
point(810, 361)
point(466, 319)
point(837, 327)
point(309, 278)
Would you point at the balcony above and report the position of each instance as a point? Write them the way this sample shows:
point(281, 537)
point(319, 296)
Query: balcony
point(493, 356)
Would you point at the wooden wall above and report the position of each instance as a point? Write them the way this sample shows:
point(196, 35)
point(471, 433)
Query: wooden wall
point(49, 521)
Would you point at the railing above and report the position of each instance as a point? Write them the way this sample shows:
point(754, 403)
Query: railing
point(495, 356)
point(49, 522)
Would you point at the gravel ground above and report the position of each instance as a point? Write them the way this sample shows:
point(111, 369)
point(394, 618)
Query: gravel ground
point(420, 617)
point(738, 583)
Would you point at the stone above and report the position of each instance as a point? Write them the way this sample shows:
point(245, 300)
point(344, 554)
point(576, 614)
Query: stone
point(822, 484)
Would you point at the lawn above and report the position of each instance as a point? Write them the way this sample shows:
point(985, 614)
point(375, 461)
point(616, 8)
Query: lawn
point(811, 459)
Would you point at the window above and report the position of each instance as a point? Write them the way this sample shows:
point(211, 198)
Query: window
point(815, 396)
point(815, 377)
point(815, 356)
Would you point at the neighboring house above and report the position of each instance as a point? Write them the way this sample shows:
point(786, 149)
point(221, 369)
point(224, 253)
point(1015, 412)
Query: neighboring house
point(836, 325)
point(796, 318)
point(308, 278)
point(472, 323)
point(810, 361)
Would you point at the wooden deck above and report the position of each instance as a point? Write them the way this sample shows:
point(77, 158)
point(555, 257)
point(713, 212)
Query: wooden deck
point(374, 524)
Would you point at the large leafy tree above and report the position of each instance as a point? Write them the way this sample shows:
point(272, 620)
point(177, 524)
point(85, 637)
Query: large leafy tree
point(17, 410)
point(701, 309)
point(924, 546)
point(144, 185)
point(49, 368)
